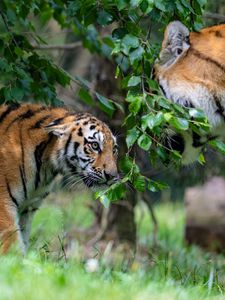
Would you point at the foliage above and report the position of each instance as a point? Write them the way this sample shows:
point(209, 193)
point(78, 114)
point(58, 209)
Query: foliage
point(26, 75)
point(170, 271)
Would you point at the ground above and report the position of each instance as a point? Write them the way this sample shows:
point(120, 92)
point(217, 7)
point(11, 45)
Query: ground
point(57, 269)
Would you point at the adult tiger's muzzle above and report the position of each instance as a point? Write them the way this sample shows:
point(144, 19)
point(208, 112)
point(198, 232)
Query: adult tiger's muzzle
point(186, 145)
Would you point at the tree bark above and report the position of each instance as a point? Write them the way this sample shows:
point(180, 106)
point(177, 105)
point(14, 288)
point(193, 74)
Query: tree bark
point(119, 224)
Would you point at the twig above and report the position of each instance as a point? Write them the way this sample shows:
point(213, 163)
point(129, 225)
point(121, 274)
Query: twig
point(154, 220)
point(62, 248)
point(103, 228)
point(70, 46)
point(214, 16)
point(7, 26)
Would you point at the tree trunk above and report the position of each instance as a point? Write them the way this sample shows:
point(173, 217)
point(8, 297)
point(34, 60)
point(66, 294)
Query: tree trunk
point(119, 225)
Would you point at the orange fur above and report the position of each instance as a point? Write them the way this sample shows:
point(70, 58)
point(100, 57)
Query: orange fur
point(32, 137)
point(197, 66)
point(191, 72)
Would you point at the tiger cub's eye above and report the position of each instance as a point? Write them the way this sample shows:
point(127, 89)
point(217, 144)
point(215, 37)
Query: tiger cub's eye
point(95, 146)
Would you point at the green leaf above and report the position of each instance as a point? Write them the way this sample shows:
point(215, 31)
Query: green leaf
point(119, 33)
point(126, 164)
point(201, 159)
point(153, 85)
point(152, 120)
point(218, 145)
point(135, 106)
point(104, 200)
point(197, 113)
point(134, 80)
point(116, 192)
point(161, 5)
point(164, 103)
point(146, 6)
point(145, 142)
point(17, 93)
point(83, 82)
point(121, 4)
point(179, 123)
point(105, 104)
point(136, 55)
point(135, 3)
point(104, 18)
point(132, 136)
point(139, 183)
point(168, 116)
point(119, 106)
point(85, 97)
point(18, 51)
point(155, 186)
point(128, 42)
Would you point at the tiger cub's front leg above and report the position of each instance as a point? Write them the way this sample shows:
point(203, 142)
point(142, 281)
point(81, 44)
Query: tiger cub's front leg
point(25, 222)
point(10, 233)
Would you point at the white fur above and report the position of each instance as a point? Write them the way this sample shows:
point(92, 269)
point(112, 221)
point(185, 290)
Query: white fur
point(199, 97)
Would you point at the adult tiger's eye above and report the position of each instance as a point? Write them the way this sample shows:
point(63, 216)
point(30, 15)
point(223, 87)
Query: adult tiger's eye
point(179, 51)
point(115, 149)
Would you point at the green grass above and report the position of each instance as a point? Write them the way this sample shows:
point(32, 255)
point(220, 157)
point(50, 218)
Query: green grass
point(169, 271)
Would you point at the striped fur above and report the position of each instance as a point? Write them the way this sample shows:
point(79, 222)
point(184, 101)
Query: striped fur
point(37, 143)
point(191, 71)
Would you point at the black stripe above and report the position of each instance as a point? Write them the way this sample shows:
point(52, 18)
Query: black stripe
point(22, 157)
point(58, 121)
point(80, 132)
point(218, 34)
point(76, 145)
point(163, 90)
point(71, 166)
point(23, 179)
point(27, 210)
point(220, 109)
point(38, 153)
point(207, 58)
point(11, 196)
point(67, 144)
point(39, 123)
point(9, 109)
point(197, 140)
point(84, 159)
point(26, 115)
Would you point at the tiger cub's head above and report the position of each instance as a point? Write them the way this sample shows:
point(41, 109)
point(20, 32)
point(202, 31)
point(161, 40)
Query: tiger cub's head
point(85, 148)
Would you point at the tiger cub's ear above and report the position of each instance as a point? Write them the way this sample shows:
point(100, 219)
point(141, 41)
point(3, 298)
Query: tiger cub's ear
point(175, 43)
point(58, 130)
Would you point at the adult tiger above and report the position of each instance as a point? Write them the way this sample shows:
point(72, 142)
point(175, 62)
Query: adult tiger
point(37, 143)
point(191, 71)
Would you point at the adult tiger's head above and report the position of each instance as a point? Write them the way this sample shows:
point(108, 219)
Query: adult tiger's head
point(86, 148)
point(191, 72)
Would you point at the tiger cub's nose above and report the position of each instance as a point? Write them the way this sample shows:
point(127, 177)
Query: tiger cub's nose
point(111, 177)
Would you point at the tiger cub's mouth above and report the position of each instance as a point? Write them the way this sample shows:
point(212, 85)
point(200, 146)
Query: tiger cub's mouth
point(97, 181)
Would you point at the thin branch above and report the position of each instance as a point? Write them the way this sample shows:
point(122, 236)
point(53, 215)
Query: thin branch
point(102, 230)
point(62, 248)
point(154, 219)
point(214, 16)
point(70, 46)
point(7, 26)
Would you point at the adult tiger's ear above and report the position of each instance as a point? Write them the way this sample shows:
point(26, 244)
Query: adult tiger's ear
point(58, 130)
point(175, 43)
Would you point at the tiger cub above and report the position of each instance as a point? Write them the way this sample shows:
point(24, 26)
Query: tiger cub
point(37, 143)
point(191, 71)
